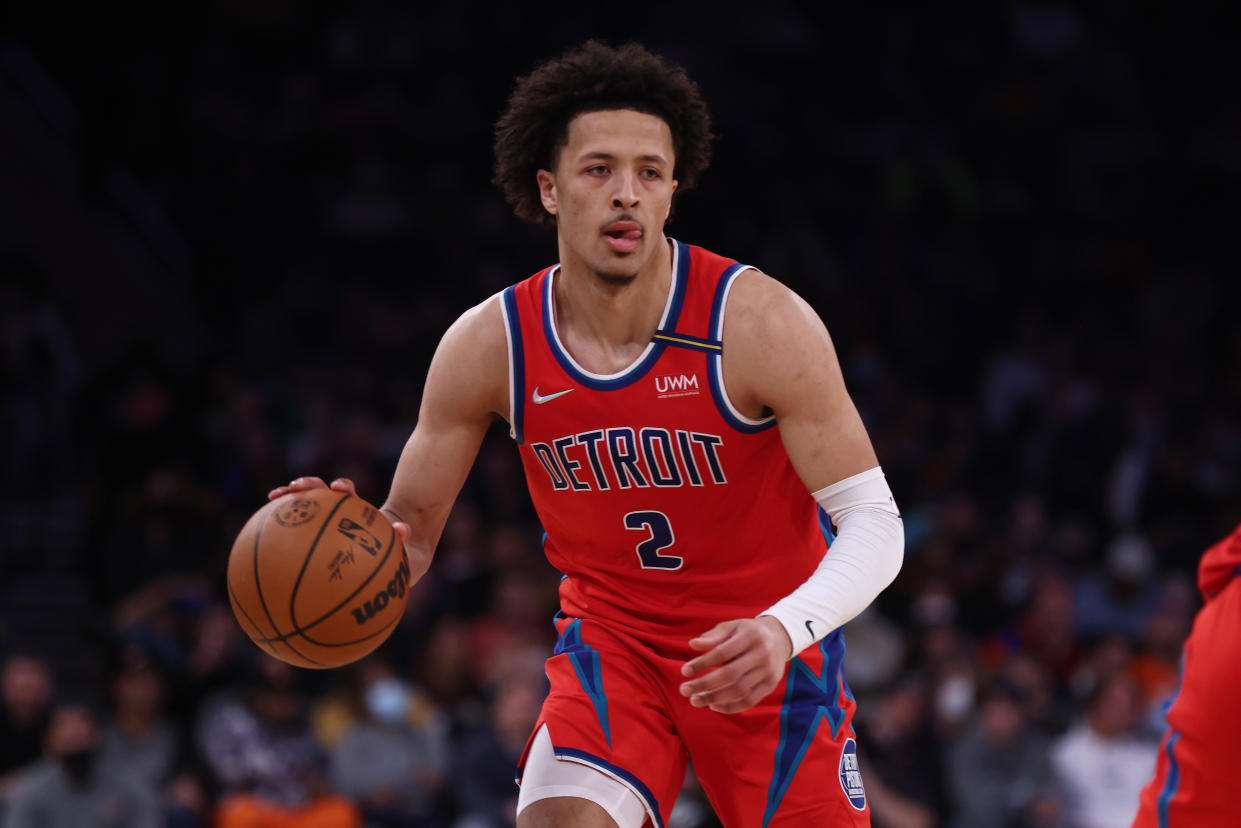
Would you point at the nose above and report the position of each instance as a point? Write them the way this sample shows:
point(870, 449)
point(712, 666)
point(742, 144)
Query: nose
point(625, 196)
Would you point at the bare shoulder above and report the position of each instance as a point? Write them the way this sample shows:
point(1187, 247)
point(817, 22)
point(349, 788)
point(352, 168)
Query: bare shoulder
point(760, 307)
point(774, 344)
point(482, 324)
point(469, 372)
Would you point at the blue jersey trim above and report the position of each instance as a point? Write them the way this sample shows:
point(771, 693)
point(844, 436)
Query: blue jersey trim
point(614, 770)
point(680, 277)
point(715, 368)
point(1171, 783)
point(513, 323)
point(1174, 772)
point(808, 700)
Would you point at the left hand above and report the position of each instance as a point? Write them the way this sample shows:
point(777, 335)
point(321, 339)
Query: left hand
point(749, 657)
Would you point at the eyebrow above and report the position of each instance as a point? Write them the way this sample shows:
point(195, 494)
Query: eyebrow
point(607, 156)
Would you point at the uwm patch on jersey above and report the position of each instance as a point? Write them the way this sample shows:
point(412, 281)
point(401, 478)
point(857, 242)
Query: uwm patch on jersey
point(664, 506)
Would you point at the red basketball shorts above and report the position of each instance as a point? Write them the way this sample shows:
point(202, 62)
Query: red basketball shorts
point(1195, 780)
point(791, 760)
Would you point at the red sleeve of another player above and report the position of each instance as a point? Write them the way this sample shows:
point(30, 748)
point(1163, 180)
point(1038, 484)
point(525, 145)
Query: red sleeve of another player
point(1219, 565)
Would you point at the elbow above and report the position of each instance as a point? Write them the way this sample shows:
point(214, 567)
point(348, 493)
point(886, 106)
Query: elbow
point(885, 536)
point(896, 549)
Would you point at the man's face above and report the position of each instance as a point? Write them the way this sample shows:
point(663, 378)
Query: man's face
point(611, 191)
point(25, 686)
point(71, 730)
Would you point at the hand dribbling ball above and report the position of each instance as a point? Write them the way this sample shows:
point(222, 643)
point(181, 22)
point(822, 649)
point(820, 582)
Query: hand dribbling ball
point(318, 578)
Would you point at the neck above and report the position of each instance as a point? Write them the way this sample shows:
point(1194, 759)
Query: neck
point(607, 316)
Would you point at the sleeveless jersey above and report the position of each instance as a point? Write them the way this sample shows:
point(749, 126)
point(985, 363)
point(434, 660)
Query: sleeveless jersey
point(666, 509)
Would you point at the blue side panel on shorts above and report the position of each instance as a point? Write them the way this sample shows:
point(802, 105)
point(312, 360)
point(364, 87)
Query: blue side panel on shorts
point(589, 668)
point(1172, 783)
point(808, 699)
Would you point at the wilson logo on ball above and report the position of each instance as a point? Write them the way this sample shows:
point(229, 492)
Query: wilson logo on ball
point(379, 602)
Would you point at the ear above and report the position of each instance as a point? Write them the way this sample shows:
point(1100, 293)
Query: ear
point(668, 212)
point(547, 190)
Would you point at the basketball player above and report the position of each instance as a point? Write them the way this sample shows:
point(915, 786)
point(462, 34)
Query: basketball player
point(686, 437)
point(1195, 771)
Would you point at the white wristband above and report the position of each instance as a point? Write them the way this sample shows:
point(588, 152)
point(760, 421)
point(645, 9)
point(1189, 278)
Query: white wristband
point(863, 559)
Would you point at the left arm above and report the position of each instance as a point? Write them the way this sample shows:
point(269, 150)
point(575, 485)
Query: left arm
point(778, 357)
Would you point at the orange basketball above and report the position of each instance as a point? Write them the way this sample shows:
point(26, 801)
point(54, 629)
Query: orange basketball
point(318, 578)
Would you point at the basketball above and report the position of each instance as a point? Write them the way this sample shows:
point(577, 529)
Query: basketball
point(318, 578)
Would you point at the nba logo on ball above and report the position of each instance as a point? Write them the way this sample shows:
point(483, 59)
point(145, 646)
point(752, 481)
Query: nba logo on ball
point(851, 776)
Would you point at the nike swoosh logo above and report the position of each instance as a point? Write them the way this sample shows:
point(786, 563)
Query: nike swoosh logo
point(809, 629)
point(539, 400)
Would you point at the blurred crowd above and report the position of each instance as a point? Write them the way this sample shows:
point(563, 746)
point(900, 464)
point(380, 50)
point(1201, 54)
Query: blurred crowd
point(1016, 226)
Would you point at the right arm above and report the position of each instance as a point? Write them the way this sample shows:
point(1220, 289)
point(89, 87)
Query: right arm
point(466, 391)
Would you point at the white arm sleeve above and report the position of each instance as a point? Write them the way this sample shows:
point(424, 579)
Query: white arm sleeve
point(863, 559)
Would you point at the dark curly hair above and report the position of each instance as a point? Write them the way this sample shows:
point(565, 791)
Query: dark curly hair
point(594, 77)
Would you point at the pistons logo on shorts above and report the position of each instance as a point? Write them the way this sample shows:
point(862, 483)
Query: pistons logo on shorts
point(851, 776)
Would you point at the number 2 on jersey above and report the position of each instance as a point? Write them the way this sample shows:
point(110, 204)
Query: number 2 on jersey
point(661, 537)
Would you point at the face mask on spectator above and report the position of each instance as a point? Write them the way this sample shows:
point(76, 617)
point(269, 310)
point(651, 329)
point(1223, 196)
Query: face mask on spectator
point(955, 698)
point(388, 700)
point(78, 764)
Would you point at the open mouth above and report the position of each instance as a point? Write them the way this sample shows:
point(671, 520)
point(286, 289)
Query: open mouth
point(623, 236)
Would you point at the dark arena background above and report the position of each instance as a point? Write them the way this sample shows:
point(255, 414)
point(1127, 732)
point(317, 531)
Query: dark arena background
point(232, 233)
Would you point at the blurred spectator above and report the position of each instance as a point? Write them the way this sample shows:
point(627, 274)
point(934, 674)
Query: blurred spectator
point(1101, 764)
point(72, 789)
point(137, 740)
point(1044, 708)
point(25, 690)
point(484, 765)
point(952, 673)
point(393, 759)
point(516, 632)
point(999, 773)
point(163, 616)
point(901, 758)
point(1119, 599)
point(1044, 630)
point(1157, 663)
point(444, 665)
point(264, 758)
point(141, 744)
point(876, 651)
point(1108, 657)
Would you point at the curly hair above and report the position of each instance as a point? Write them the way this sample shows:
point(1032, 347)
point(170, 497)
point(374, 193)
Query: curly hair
point(594, 77)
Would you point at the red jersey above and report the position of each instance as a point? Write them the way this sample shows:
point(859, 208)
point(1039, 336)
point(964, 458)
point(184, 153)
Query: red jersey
point(666, 509)
point(1195, 768)
point(1219, 565)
